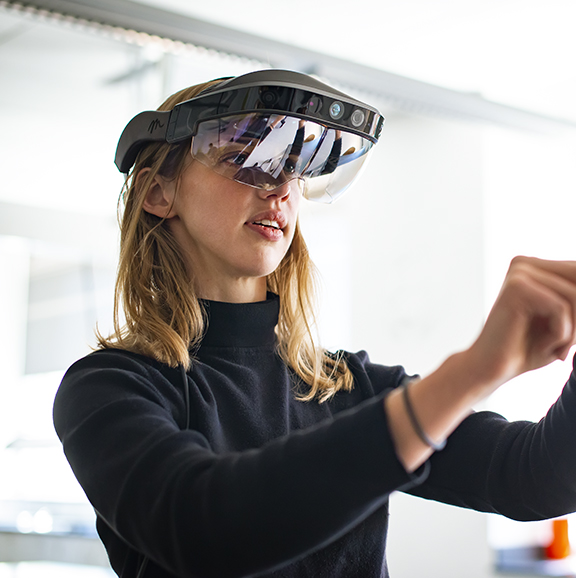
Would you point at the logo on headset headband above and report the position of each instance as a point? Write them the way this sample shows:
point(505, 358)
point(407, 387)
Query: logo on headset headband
point(155, 125)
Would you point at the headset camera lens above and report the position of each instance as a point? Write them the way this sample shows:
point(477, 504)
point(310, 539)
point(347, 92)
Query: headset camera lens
point(269, 97)
point(336, 110)
point(357, 118)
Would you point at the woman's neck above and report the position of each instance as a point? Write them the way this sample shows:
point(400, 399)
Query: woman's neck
point(244, 290)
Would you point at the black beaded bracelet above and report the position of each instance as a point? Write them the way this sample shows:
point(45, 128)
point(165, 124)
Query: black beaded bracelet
point(416, 424)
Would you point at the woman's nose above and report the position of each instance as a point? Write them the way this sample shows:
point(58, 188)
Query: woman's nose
point(282, 192)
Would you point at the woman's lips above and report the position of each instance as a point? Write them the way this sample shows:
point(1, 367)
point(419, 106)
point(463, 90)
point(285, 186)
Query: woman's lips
point(269, 232)
point(269, 224)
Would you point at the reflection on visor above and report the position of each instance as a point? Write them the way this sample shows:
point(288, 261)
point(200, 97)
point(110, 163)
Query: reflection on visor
point(267, 151)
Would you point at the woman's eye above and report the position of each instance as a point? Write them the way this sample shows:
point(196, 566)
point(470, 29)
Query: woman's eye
point(240, 159)
point(234, 159)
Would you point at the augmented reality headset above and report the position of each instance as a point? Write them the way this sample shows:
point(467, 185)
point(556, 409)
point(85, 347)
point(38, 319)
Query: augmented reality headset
point(265, 129)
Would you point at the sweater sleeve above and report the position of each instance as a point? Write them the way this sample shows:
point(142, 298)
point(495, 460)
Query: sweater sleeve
point(523, 470)
point(198, 513)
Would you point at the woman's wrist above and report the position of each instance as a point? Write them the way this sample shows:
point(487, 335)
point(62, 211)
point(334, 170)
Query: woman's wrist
point(437, 405)
point(415, 421)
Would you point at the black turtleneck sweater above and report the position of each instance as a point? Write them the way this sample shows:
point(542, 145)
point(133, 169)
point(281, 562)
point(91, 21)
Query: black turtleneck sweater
point(261, 484)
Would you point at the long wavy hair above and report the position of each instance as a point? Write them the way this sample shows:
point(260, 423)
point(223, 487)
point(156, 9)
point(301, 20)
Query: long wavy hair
point(157, 312)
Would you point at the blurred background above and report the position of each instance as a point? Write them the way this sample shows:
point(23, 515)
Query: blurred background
point(476, 164)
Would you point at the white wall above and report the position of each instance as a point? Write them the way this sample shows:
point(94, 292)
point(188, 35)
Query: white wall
point(406, 242)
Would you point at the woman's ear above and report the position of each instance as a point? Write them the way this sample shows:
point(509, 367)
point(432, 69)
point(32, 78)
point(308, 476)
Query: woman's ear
point(159, 199)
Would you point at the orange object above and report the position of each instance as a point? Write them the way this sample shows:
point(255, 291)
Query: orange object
point(559, 547)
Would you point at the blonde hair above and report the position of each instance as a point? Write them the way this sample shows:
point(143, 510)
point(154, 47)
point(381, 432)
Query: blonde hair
point(163, 317)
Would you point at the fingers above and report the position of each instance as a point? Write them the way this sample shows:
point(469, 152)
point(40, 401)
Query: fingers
point(564, 269)
point(548, 289)
point(532, 322)
point(558, 276)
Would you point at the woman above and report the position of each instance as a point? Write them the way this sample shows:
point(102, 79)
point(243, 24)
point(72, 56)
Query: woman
point(211, 434)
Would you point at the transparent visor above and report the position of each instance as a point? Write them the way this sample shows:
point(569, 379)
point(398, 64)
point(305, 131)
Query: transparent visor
point(267, 151)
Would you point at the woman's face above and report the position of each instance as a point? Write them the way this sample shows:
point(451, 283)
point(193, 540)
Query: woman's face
point(233, 235)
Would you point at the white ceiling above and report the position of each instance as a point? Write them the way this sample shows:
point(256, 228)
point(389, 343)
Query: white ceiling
point(518, 52)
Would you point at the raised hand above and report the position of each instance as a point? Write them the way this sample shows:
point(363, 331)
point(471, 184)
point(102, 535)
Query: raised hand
point(532, 322)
